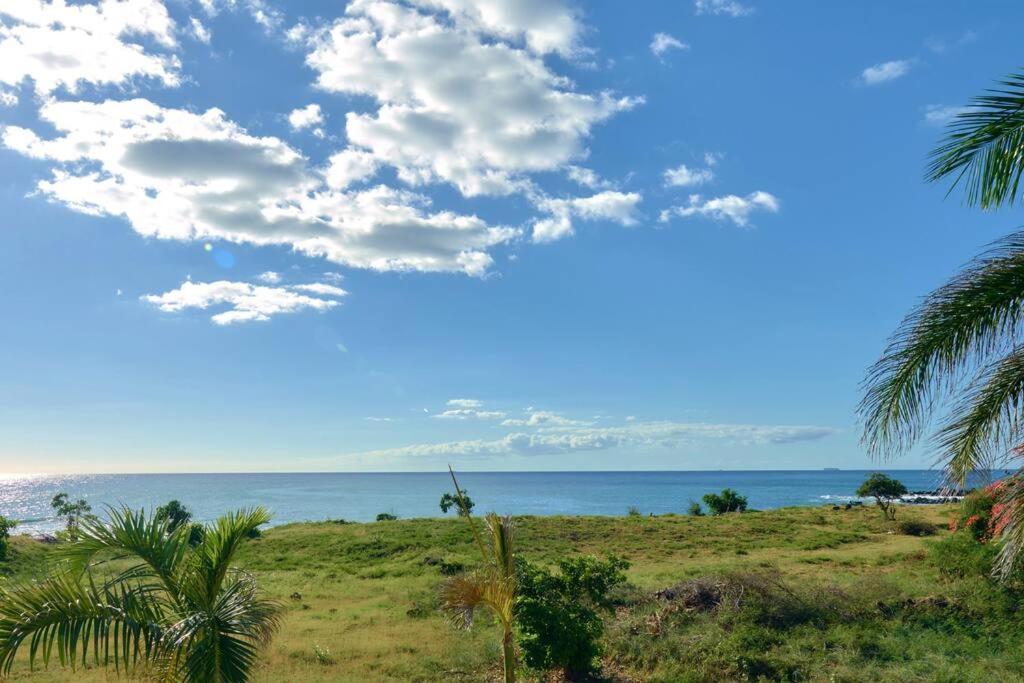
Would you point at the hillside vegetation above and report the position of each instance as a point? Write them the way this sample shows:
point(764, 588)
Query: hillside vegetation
point(800, 594)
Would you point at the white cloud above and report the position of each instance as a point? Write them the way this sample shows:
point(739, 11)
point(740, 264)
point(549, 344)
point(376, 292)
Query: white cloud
point(174, 174)
point(245, 302)
point(199, 31)
point(452, 105)
point(684, 176)
point(542, 418)
point(350, 166)
point(587, 178)
point(633, 435)
point(730, 8)
point(468, 409)
point(8, 98)
point(885, 72)
point(663, 42)
point(730, 207)
point(306, 117)
point(617, 207)
point(545, 25)
point(269, 277)
point(941, 114)
point(63, 45)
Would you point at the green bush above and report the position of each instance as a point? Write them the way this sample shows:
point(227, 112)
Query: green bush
point(726, 501)
point(451, 500)
point(6, 524)
point(915, 527)
point(560, 626)
point(961, 555)
point(694, 510)
point(386, 517)
point(174, 513)
point(633, 511)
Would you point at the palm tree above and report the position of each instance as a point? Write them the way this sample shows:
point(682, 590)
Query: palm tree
point(177, 612)
point(492, 585)
point(962, 345)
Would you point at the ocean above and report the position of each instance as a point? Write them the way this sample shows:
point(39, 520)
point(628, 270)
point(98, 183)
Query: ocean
point(359, 497)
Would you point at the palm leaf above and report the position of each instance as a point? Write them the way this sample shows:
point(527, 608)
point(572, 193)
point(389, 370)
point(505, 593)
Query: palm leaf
point(963, 324)
point(984, 147)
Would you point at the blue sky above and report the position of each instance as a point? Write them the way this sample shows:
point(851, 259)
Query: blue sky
point(503, 234)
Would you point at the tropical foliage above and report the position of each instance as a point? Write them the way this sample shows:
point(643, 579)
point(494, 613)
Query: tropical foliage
point(961, 347)
point(884, 489)
point(492, 585)
point(459, 500)
point(6, 525)
point(73, 512)
point(558, 615)
point(726, 501)
point(134, 594)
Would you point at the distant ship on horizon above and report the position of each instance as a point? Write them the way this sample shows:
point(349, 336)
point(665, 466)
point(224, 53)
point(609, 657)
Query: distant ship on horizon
point(829, 469)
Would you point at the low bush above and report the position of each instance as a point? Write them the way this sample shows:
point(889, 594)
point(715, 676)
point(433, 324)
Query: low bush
point(915, 527)
point(558, 614)
point(726, 501)
point(695, 510)
point(386, 517)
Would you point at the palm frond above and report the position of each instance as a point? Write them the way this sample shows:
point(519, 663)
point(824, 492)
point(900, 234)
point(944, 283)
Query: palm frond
point(956, 328)
point(984, 146)
point(70, 617)
point(219, 546)
point(130, 535)
point(487, 587)
point(987, 422)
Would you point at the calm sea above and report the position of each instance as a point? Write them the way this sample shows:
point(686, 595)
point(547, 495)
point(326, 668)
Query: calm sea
point(359, 497)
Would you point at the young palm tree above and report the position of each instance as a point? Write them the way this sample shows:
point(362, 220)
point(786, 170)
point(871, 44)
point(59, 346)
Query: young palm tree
point(177, 612)
point(492, 585)
point(962, 345)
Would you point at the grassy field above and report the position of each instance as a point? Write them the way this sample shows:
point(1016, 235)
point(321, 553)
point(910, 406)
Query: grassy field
point(808, 594)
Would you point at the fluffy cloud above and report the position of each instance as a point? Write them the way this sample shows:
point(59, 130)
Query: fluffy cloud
point(684, 176)
point(587, 178)
point(632, 435)
point(269, 277)
point(468, 409)
point(199, 31)
point(885, 72)
point(543, 418)
point(663, 42)
point(245, 302)
point(306, 117)
point(730, 207)
point(617, 207)
point(174, 174)
point(56, 44)
point(8, 98)
point(544, 25)
point(731, 8)
point(456, 106)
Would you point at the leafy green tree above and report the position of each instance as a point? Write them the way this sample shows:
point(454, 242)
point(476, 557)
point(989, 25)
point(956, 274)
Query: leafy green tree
point(174, 513)
point(6, 525)
point(960, 348)
point(73, 512)
point(726, 501)
point(460, 501)
point(884, 489)
point(694, 510)
point(491, 585)
point(386, 517)
point(558, 615)
point(182, 613)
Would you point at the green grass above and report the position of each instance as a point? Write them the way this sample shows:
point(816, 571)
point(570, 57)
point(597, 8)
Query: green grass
point(829, 596)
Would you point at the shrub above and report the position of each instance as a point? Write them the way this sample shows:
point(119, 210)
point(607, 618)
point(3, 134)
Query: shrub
point(694, 510)
point(915, 527)
point(961, 555)
point(71, 512)
point(633, 511)
point(6, 524)
point(726, 501)
point(451, 500)
point(884, 489)
point(386, 517)
point(196, 534)
point(558, 614)
point(174, 513)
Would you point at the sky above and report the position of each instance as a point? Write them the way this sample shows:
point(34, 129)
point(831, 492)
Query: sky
point(248, 235)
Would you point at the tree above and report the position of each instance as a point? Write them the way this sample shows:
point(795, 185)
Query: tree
point(6, 525)
point(184, 613)
point(174, 513)
point(386, 517)
point(694, 509)
point(726, 501)
point(73, 512)
point(460, 501)
point(884, 489)
point(491, 585)
point(558, 614)
point(960, 348)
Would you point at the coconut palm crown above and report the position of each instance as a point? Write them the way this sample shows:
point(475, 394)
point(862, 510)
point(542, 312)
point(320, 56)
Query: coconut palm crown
point(133, 594)
point(960, 352)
